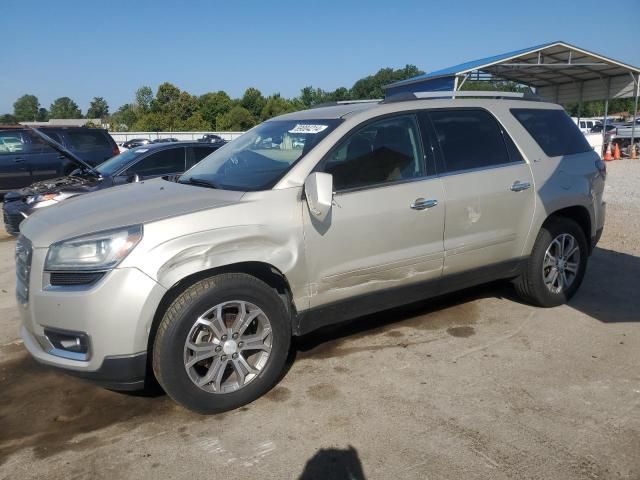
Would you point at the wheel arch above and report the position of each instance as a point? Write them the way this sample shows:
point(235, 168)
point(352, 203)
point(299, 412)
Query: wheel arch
point(577, 213)
point(266, 272)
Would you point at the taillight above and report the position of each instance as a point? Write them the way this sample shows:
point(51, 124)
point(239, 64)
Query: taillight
point(116, 151)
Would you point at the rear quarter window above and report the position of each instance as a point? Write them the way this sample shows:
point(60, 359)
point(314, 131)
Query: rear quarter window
point(87, 140)
point(553, 130)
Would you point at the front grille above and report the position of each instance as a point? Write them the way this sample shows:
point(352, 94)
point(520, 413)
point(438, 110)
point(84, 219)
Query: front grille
point(65, 279)
point(24, 253)
point(12, 222)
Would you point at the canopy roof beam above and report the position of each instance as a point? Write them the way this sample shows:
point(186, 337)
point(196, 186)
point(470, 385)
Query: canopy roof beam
point(533, 75)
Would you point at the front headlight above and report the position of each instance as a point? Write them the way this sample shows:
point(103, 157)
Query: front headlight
point(98, 251)
point(48, 199)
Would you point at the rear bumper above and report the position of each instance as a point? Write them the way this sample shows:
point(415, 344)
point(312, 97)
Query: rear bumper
point(596, 238)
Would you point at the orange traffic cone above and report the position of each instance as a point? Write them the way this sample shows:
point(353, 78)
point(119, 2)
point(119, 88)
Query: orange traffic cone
point(607, 153)
point(616, 152)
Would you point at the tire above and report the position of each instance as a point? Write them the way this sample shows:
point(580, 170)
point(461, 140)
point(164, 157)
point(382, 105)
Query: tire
point(195, 315)
point(531, 286)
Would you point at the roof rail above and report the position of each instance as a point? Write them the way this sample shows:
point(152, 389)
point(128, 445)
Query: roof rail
point(409, 96)
point(346, 102)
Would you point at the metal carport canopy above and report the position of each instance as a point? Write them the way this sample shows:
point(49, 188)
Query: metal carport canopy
point(558, 71)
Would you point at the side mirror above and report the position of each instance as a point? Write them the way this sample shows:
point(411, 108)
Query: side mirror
point(318, 188)
point(133, 178)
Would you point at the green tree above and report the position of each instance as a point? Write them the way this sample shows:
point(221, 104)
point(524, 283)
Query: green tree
point(64, 107)
point(253, 101)
point(340, 94)
point(276, 105)
point(493, 86)
point(144, 97)
point(213, 104)
point(8, 119)
point(98, 108)
point(43, 115)
point(26, 108)
point(237, 119)
point(372, 86)
point(310, 96)
point(124, 118)
point(181, 108)
point(166, 94)
point(194, 123)
point(151, 122)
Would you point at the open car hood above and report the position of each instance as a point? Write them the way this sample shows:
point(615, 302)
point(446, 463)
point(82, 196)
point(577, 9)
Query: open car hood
point(64, 151)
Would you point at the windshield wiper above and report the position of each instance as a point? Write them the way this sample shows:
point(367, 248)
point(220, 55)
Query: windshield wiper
point(200, 182)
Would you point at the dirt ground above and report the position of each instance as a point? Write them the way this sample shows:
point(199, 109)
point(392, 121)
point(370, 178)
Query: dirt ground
point(475, 385)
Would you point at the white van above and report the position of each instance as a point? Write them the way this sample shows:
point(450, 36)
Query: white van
point(586, 124)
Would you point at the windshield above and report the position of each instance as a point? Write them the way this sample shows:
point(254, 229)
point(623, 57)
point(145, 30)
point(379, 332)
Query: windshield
point(258, 159)
point(115, 164)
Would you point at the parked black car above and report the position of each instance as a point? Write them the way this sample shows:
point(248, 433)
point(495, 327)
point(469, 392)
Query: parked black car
point(211, 138)
point(141, 163)
point(598, 128)
point(25, 158)
point(136, 142)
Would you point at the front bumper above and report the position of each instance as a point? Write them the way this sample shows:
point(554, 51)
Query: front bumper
point(120, 372)
point(116, 314)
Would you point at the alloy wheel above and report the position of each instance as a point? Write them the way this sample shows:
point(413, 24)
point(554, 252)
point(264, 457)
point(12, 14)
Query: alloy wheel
point(228, 346)
point(561, 263)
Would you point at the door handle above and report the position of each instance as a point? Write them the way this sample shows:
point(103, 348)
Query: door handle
point(421, 204)
point(18, 160)
point(519, 186)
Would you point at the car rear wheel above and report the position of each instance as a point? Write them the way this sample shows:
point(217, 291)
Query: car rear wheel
point(557, 264)
point(222, 343)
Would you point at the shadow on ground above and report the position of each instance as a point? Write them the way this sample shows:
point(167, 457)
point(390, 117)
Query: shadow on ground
point(334, 464)
point(610, 291)
point(454, 314)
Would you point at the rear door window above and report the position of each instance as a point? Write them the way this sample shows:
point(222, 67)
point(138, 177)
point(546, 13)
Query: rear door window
point(553, 131)
point(197, 154)
point(161, 163)
point(471, 139)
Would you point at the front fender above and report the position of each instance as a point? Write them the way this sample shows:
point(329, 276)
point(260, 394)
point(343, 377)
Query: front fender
point(181, 257)
point(194, 253)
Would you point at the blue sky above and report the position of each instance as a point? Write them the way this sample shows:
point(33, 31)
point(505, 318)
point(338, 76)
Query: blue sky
point(83, 49)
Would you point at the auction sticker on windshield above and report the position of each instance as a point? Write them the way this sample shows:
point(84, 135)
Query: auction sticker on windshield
point(301, 128)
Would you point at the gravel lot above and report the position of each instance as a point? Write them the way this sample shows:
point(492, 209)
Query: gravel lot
point(475, 385)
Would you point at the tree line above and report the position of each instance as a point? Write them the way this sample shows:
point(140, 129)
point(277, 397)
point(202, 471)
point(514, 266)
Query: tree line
point(173, 109)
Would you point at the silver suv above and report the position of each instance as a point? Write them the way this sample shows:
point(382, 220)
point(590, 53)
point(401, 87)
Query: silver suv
point(308, 219)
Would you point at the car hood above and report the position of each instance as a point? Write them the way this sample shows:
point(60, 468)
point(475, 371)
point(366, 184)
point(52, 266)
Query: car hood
point(131, 204)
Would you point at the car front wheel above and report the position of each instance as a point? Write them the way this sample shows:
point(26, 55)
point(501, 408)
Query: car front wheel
point(222, 343)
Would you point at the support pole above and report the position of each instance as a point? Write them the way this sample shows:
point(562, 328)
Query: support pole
point(455, 86)
point(635, 114)
point(580, 103)
point(606, 110)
